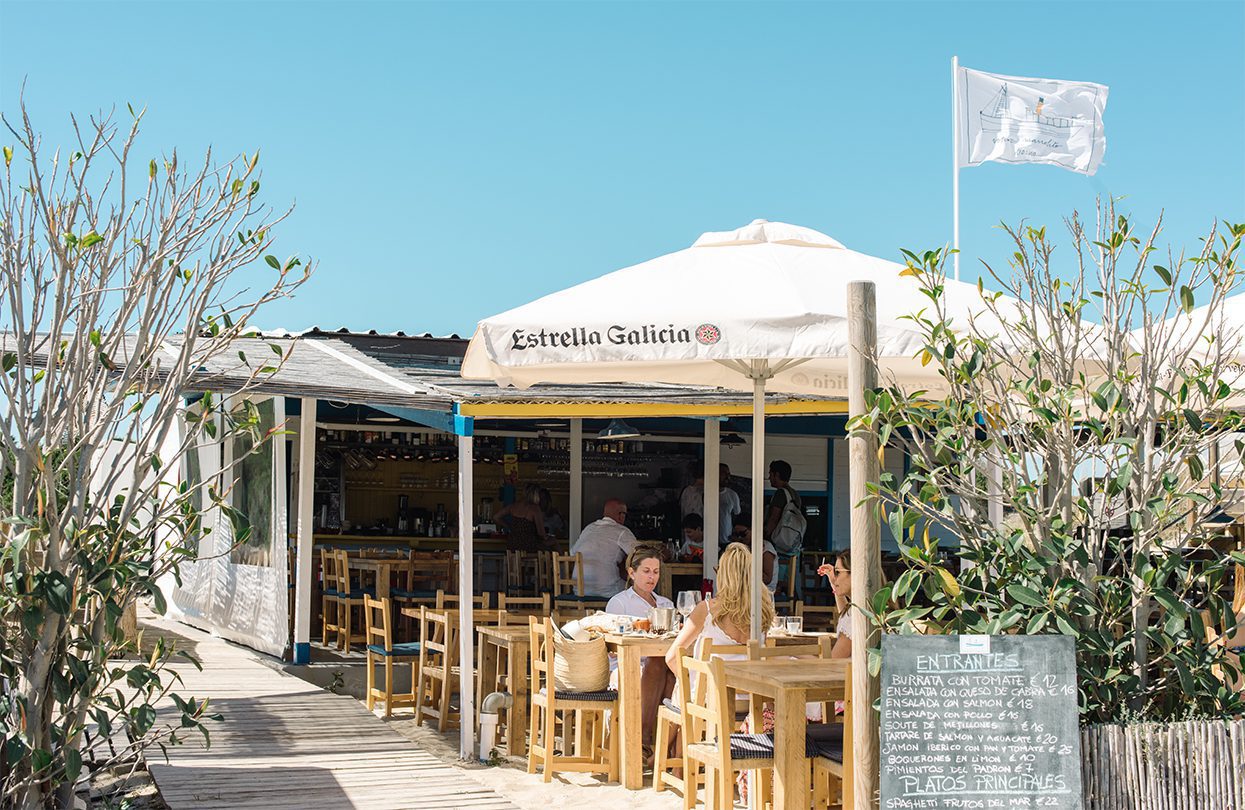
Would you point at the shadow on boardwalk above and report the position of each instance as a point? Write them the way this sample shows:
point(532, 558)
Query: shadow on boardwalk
point(285, 743)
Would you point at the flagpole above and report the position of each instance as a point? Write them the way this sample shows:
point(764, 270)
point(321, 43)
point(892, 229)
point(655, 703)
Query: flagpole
point(955, 164)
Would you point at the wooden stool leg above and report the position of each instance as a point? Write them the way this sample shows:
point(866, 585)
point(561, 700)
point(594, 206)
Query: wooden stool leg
point(388, 685)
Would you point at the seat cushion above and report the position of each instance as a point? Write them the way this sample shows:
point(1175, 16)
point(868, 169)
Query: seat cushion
point(761, 746)
point(357, 594)
point(604, 696)
point(403, 593)
point(827, 740)
point(405, 648)
point(672, 706)
point(330, 592)
point(574, 597)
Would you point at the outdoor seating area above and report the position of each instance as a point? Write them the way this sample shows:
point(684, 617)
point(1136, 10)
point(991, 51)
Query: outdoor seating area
point(402, 611)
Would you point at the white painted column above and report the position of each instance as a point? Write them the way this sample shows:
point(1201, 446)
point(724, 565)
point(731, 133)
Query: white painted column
point(760, 372)
point(575, 520)
point(713, 501)
point(305, 544)
point(466, 590)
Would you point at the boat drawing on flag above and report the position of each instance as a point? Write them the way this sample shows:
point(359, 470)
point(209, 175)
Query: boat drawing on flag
point(999, 116)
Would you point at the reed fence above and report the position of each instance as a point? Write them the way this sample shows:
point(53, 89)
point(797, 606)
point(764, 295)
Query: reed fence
point(1195, 765)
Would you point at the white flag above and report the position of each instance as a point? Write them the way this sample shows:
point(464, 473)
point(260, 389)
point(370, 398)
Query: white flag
point(1017, 120)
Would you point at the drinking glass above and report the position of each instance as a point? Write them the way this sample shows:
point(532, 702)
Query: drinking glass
point(687, 603)
point(779, 625)
point(795, 625)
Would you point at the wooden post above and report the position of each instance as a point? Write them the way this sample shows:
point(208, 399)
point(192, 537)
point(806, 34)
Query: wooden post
point(862, 375)
point(575, 520)
point(713, 500)
point(304, 545)
point(466, 592)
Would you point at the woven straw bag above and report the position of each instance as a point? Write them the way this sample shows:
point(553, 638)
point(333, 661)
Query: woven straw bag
point(580, 666)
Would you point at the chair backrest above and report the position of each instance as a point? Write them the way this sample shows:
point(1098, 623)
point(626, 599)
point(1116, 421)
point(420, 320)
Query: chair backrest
point(328, 569)
point(708, 716)
point(438, 638)
point(541, 651)
point(818, 617)
point(788, 573)
point(342, 558)
point(524, 606)
point(514, 569)
point(453, 600)
point(772, 650)
point(544, 570)
point(568, 574)
point(377, 617)
point(431, 571)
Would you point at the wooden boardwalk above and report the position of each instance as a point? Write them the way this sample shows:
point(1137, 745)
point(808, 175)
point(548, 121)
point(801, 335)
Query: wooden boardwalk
point(285, 743)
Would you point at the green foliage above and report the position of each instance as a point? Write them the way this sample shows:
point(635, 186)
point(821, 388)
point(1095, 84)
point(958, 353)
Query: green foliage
point(1098, 455)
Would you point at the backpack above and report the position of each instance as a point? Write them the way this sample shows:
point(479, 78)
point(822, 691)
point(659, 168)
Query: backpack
point(788, 536)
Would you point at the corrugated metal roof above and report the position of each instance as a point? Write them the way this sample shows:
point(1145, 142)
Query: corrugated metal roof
point(401, 370)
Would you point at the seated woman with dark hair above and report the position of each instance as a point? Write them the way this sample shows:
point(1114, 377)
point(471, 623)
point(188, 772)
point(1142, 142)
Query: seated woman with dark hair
point(525, 521)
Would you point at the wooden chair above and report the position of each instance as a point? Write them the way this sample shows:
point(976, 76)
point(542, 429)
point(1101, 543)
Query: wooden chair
point(329, 607)
point(670, 721)
point(378, 615)
point(438, 668)
point(568, 586)
point(349, 598)
point(544, 571)
point(451, 601)
point(523, 572)
point(424, 574)
point(708, 723)
point(524, 606)
point(599, 753)
point(832, 769)
point(823, 618)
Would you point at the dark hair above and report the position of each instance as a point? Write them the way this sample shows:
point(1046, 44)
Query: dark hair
point(782, 468)
point(693, 521)
point(844, 556)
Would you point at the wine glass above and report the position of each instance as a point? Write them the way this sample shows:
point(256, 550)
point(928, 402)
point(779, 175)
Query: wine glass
point(687, 603)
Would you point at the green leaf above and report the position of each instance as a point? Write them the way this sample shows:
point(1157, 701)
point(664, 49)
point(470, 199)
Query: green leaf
point(40, 759)
point(1186, 298)
point(91, 238)
point(1025, 596)
point(73, 764)
point(144, 718)
point(273, 262)
point(8, 155)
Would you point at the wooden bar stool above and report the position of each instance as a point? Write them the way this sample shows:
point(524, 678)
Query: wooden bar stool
point(349, 598)
point(378, 615)
point(820, 618)
point(330, 605)
point(599, 739)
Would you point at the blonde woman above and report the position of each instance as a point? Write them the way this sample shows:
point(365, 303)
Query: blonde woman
point(726, 617)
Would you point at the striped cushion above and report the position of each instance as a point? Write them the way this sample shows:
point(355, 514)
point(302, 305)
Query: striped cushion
point(827, 740)
point(405, 648)
point(761, 746)
point(604, 696)
point(359, 594)
point(672, 706)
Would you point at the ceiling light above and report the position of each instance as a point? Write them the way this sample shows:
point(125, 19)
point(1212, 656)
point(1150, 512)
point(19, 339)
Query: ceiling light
point(383, 419)
point(731, 440)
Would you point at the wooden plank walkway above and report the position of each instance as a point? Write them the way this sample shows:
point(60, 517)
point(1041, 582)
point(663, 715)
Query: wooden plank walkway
point(285, 743)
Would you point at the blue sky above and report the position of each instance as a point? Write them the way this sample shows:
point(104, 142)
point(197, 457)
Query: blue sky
point(450, 161)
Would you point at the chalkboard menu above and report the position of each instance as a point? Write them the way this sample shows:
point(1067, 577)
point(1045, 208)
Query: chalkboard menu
point(979, 722)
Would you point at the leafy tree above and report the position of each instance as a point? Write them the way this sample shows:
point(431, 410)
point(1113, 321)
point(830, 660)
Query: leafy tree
point(1074, 469)
point(120, 281)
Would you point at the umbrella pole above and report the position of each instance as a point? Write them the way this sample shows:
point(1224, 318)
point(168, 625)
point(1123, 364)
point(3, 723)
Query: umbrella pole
point(760, 371)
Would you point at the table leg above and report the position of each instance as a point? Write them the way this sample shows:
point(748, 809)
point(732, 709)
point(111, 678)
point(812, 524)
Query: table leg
point(516, 720)
point(486, 674)
point(382, 582)
point(791, 776)
point(629, 720)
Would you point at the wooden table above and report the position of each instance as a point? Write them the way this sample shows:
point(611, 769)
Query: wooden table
point(516, 641)
point(630, 650)
point(790, 683)
point(669, 570)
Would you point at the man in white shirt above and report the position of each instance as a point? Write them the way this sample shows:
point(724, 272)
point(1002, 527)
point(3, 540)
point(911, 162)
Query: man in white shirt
point(605, 545)
point(692, 501)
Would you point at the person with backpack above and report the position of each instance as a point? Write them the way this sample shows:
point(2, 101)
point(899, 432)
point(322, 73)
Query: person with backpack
point(785, 523)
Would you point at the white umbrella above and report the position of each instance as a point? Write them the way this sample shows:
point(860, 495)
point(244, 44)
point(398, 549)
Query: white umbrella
point(760, 307)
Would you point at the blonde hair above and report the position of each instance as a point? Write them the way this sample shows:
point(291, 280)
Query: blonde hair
point(733, 594)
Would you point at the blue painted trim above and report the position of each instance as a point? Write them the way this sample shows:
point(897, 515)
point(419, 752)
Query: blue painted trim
point(452, 422)
point(302, 653)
